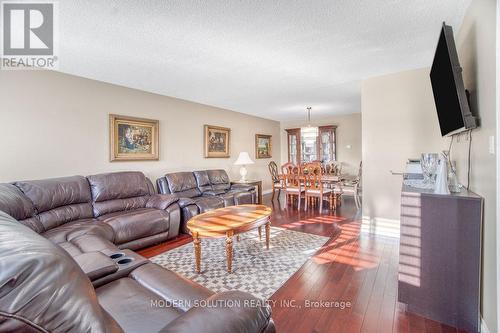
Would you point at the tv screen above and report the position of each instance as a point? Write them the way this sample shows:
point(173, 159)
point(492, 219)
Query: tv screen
point(448, 87)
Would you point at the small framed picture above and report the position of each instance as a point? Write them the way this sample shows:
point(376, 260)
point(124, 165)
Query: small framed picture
point(263, 146)
point(217, 141)
point(133, 139)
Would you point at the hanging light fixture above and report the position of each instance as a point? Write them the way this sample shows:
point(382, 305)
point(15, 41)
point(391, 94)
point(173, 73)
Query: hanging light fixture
point(309, 133)
point(309, 116)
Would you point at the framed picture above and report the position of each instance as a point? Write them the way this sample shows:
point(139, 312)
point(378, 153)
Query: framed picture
point(263, 146)
point(133, 139)
point(217, 141)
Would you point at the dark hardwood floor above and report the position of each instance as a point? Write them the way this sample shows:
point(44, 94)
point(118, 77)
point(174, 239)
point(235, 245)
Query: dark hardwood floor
point(356, 269)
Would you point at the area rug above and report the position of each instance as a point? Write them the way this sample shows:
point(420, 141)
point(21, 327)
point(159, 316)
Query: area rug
point(255, 270)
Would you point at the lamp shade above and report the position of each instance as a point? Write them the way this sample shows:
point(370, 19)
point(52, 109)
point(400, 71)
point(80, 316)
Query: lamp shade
point(243, 159)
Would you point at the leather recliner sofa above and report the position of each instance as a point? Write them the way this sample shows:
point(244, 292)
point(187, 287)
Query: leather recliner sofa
point(42, 289)
point(204, 190)
point(106, 211)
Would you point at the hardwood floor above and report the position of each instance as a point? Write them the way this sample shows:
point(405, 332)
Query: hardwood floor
point(354, 268)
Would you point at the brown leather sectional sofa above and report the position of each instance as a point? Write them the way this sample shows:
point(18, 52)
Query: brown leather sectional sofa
point(98, 284)
point(42, 289)
point(204, 190)
point(115, 208)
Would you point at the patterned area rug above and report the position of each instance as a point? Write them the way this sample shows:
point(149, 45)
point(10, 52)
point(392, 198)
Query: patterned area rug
point(255, 270)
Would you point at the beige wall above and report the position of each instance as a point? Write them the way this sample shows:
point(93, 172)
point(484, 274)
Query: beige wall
point(55, 124)
point(399, 121)
point(476, 44)
point(348, 133)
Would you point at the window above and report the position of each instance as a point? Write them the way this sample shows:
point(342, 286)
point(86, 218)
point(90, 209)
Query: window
point(327, 143)
point(294, 145)
point(311, 144)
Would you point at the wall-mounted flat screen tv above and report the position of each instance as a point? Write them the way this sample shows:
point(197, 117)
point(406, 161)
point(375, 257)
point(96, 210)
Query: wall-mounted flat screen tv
point(448, 87)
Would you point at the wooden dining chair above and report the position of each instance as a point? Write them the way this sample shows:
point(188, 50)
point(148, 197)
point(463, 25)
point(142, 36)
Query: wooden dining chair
point(333, 168)
point(288, 168)
point(314, 187)
point(275, 177)
point(358, 186)
point(293, 186)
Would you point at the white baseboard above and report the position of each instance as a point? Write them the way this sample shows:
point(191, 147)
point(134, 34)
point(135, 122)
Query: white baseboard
point(484, 328)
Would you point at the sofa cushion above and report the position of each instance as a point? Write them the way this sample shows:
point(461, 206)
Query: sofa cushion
point(138, 223)
point(118, 185)
point(141, 243)
point(118, 191)
point(157, 279)
point(42, 288)
point(78, 228)
point(96, 264)
point(131, 306)
point(58, 200)
point(203, 181)
point(162, 185)
point(183, 184)
point(205, 204)
point(161, 201)
point(117, 205)
point(14, 203)
point(84, 243)
point(17, 205)
point(219, 180)
point(91, 243)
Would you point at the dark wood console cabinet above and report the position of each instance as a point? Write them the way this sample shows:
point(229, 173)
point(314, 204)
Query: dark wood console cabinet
point(440, 256)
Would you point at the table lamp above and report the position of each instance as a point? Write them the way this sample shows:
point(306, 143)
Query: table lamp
point(243, 160)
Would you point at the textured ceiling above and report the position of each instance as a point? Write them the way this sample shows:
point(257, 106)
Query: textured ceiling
point(262, 57)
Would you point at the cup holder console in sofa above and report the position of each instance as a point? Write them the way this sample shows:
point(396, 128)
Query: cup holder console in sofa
point(117, 255)
point(125, 261)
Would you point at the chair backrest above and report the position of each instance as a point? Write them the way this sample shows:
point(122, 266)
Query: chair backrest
point(42, 289)
point(333, 168)
point(273, 170)
point(288, 168)
point(360, 173)
point(312, 177)
point(292, 180)
point(315, 163)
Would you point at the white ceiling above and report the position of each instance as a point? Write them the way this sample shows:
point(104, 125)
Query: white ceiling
point(262, 57)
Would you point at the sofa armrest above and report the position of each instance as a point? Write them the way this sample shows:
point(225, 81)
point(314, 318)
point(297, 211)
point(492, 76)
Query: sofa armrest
point(96, 265)
point(213, 193)
point(242, 187)
point(183, 202)
point(161, 201)
point(235, 311)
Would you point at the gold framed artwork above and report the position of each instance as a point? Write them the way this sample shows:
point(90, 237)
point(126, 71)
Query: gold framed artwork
point(217, 141)
point(263, 146)
point(133, 139)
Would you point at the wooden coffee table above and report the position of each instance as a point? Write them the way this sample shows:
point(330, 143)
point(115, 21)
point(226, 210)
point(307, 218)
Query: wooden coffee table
point(227, 222)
